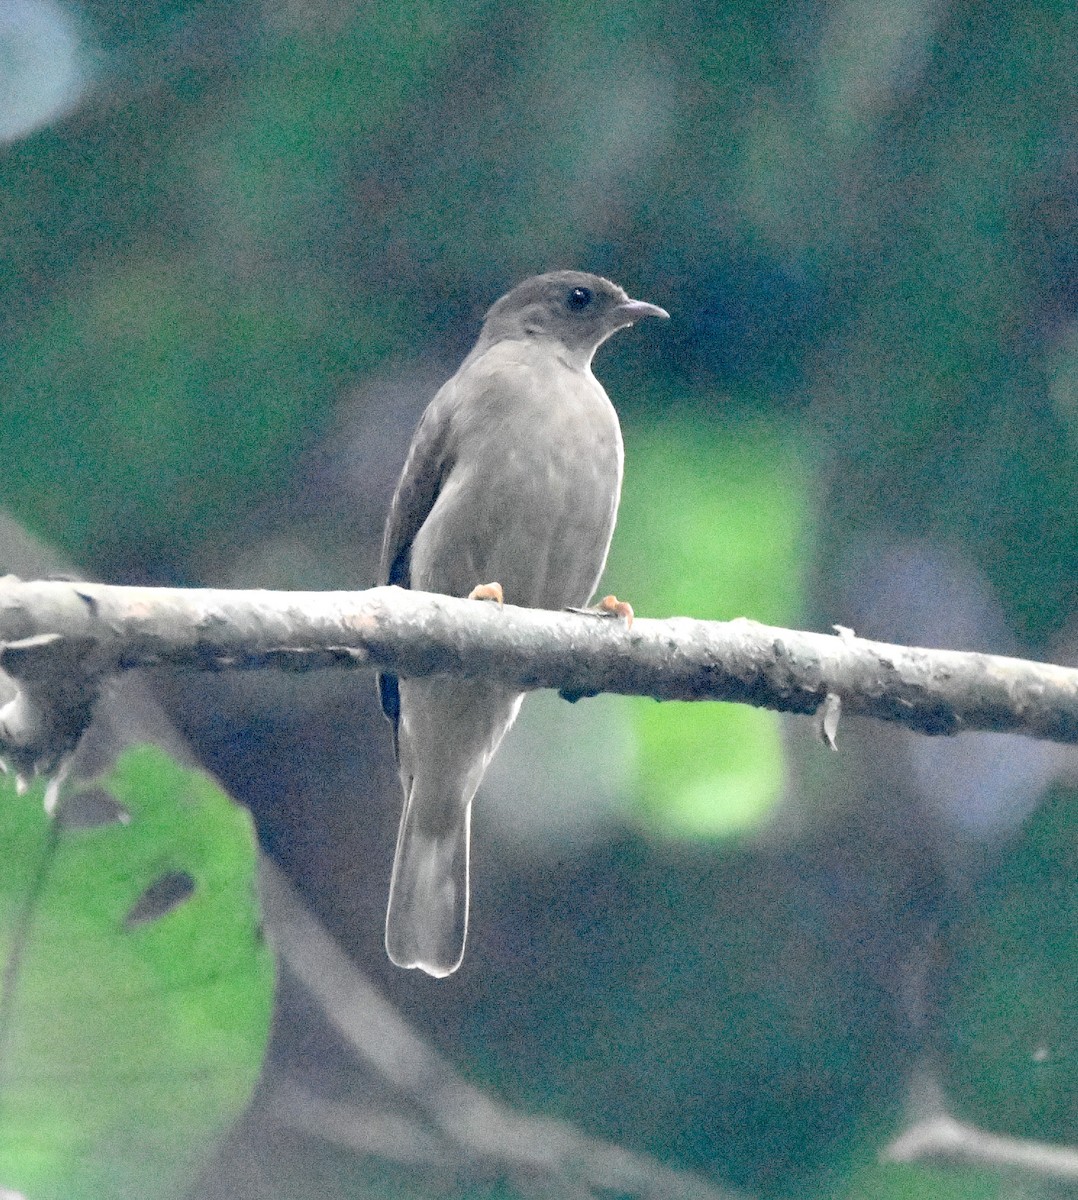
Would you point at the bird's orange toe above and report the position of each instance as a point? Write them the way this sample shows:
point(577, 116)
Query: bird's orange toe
point(617, 608)
point(488, 591)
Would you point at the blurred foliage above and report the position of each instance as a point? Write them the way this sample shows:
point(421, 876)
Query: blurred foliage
point(137, 987)
point(715, 523)
point(1013, 1025)
point(731, 1010)
point(228, 258)
point(893, 1182)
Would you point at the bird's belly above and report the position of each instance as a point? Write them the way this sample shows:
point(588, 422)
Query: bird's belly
point(540, 526)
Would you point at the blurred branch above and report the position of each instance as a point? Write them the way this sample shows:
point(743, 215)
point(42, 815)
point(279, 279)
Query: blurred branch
point(944, 1141)
point(457, 1126)
point(93, 630)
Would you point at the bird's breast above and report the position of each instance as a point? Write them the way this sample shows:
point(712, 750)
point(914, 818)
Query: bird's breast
point(535, 508)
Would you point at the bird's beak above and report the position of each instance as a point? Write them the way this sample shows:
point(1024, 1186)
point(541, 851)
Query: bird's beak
point(630, 311)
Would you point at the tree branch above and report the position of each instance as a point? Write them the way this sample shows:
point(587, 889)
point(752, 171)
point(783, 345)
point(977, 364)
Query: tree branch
point(93, 630)
point(944, 1141)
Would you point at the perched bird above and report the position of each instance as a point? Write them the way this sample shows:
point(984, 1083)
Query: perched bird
point(513, 477)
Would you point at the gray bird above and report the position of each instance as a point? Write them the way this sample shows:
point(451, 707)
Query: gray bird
point(513, 476)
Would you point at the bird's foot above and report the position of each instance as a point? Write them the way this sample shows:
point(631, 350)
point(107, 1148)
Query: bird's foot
point(488, 591)
point(609, 606)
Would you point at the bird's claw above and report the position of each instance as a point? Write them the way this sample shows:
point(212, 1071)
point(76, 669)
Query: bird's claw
point(488, 591)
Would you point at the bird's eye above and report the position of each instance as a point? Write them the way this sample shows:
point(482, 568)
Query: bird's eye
point(579, 298)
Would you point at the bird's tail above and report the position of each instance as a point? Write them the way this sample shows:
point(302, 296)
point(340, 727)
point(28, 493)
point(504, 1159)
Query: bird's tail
point(427, 918)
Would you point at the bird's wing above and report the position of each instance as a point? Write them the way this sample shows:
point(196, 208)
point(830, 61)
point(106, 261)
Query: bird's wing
point(418, 488)
point(428, 463)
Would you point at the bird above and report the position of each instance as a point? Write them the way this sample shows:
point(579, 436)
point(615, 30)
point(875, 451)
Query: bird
point(510, 493)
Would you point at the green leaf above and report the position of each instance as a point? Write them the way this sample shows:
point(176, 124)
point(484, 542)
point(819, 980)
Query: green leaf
point(714, 524)
point(137, 987)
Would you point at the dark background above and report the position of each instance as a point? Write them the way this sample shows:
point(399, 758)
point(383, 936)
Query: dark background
point(242, 243)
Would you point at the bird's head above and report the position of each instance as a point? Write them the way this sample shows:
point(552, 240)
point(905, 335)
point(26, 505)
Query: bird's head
point(577, 310)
